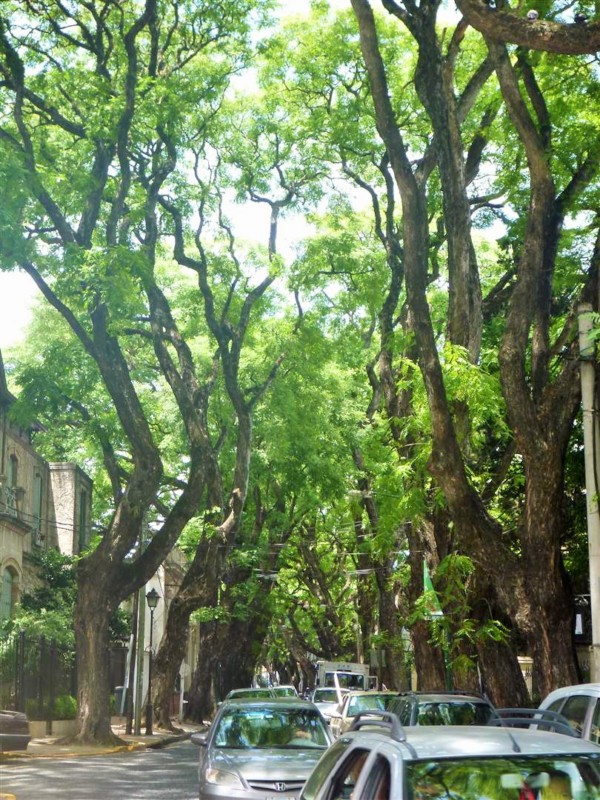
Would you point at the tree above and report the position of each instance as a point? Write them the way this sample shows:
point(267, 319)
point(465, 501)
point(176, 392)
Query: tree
point(88, 139)
point(537, 438)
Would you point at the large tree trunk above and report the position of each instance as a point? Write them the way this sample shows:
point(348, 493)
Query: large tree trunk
point(551, 641)
point(91, 622)
point(167, 662)
point(206, 688)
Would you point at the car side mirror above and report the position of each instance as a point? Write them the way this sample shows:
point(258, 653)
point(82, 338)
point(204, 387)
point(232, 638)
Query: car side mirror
point(199, 739)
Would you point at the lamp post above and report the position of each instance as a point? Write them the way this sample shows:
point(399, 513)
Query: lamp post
point(152, 599)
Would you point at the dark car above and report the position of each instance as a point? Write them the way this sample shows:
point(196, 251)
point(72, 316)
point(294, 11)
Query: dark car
point(441, 708)
point(14, 731)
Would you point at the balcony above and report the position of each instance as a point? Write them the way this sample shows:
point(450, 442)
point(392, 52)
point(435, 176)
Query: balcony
point(8, 501)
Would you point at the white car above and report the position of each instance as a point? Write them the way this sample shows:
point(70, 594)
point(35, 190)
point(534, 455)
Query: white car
point(326, 699)
point(353, 703)
point(580, 704)
point(378, 759)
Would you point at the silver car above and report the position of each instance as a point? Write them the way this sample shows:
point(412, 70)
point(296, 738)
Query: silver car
point(260, 749)
point(384, 761)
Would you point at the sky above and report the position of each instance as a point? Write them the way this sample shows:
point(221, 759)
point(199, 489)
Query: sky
point(17, 294)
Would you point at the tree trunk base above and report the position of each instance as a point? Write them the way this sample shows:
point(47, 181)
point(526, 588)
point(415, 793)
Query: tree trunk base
point(110, 739)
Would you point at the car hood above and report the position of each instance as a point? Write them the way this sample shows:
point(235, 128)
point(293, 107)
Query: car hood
point(257, 764)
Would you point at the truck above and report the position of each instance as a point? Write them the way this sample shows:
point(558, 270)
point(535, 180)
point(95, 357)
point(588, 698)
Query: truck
point(350, 675)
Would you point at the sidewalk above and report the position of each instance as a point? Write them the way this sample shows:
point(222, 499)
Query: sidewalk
point(51, 747)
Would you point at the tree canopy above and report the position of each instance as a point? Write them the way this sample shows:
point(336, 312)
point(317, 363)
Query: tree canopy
point(311, 420)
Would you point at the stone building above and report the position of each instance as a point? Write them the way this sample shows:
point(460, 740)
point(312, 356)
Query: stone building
point(42, 505)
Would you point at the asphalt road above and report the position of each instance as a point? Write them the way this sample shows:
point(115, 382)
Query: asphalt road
point(165, 774)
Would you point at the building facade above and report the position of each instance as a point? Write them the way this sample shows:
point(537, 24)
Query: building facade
point(42, 505)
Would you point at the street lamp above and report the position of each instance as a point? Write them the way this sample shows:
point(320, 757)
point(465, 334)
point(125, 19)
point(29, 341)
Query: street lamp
point(152, 599)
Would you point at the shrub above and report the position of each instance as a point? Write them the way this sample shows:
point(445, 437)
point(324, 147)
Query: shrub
point(65, 707)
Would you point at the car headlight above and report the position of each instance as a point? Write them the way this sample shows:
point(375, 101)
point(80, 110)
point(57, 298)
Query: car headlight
point(221, 778)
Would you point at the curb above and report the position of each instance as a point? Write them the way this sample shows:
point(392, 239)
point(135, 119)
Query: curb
point(163, 741)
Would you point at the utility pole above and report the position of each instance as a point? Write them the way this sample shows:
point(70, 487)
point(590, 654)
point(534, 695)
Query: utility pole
point(139, 683)
point(591, 440)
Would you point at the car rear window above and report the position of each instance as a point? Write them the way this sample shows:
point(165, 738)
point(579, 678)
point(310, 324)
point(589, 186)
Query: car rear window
point(516, 778)
point(455, 713)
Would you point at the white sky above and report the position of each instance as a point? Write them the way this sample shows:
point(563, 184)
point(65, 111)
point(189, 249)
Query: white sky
point(17, 293)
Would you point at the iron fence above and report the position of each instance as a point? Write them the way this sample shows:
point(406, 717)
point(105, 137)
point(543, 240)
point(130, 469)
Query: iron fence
point(34, 672)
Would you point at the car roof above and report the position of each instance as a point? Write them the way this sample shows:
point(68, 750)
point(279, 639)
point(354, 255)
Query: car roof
point(463, 741)
point(445, 696)
point(371, 692)
point(592, 689)
point(262, 702)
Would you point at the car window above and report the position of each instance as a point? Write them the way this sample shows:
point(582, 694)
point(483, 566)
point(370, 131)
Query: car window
point(347, 775)
point(515, 778)
point(378, 781)
point(455, 713)
point(325, 696)
point(284, 691)
point(556, 705)
point(402, 710)
point(368, 702)
point(595, 726)
point(323, 767)
point(268, 727)
point(575, 710)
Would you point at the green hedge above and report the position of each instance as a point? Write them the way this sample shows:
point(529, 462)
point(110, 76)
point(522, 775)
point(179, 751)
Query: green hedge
point(65, 707)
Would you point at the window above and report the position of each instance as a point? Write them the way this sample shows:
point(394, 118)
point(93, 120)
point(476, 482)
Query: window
point(10, 490)
point(7, 593)
point(575, 710)
point(348, 775)
point(379, 780)
point(595, 726)
point(82, 527)
point(13, 471)
point(36, 522)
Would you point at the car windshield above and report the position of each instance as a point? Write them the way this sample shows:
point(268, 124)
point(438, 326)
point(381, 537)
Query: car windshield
point(455, 713)
point(284, 691)
point(258, 692)
point(369, 702)
point(242, 728)
point(517, 778)
point(325, 696)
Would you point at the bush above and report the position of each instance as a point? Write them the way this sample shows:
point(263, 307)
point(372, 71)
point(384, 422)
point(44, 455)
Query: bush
point(65, 707)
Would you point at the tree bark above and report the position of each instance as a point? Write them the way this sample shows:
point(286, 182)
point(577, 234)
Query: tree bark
point(91, 622)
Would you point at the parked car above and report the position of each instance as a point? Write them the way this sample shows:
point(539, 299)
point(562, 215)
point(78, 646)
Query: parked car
point(580, 704)
point(326, 700)
point(441, 708)
point(14, 731)
point(260, 748)
point(378, 759)
point(342, 717)
point(249, 692)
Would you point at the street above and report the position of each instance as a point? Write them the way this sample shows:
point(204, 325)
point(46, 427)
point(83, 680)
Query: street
point(163, 774)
